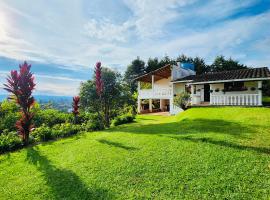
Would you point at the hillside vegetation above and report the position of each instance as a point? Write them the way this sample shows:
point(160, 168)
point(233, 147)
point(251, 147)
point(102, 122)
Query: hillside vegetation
point(217, 153)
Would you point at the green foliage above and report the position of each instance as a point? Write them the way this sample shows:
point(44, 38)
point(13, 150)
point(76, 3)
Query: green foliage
point(94, 123)
point(182, 100)
point(222, 64)
point(42, 133)
point(9, 141)
point(136, 68)
point(116, 94)
point(8, 121)
point(45, 133)
point(8, 115)
point(50, 117)
point(8, 107)
point(65, 129)
point(123, 119)
point(204, 153)
point(266, 88)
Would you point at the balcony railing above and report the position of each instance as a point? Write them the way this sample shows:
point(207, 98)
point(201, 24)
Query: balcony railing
point(239, 99)
point(155, 93)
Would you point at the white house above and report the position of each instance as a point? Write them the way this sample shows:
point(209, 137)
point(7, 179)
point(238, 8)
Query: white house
point(157, 89)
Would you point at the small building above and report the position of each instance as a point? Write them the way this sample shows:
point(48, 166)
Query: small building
point(157, 89)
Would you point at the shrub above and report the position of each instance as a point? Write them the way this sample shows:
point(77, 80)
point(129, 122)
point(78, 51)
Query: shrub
point(64, 130)
point(9, 141)
point(123, 119)
point(182, 100)
point(94, 123)
point(42, 133)
point(51, 117)
point(8, 121)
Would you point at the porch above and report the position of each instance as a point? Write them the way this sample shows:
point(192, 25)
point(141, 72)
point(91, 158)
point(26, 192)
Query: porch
point(153, 105)
point(228, 93)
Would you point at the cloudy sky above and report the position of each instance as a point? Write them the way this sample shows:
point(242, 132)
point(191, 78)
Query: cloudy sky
point(63, 39)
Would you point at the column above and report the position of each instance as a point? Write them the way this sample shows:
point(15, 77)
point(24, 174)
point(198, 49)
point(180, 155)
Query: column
point(139, 106)
point(150, 105)
point(192, 95)
point(153, 80)
point(211, 98)
point(260, 93)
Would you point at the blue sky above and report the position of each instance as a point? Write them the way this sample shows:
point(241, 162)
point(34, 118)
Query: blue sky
point(63, 39)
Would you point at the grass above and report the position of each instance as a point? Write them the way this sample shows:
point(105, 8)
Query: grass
point(204, 153)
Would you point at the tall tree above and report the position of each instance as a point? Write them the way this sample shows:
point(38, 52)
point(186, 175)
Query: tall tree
point(222, 64)
point(112, 98)
point(199, 63)
point(165, 61)
point(136, 68)
point(21, 85)
point(152, 64)
point(200, 66)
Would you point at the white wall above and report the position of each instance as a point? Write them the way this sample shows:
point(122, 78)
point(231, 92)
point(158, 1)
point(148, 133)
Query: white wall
point(163, 83)
point(178, 88)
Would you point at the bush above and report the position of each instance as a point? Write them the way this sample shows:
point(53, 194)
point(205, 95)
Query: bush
point(182, 100)
point(8, 122)
point(94, 123)
point(42, 133)
point(64, 130)
point(9, 141)
point(51, 117)
point(123, 119)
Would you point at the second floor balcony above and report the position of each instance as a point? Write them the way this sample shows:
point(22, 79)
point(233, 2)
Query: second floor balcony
point(156, 93)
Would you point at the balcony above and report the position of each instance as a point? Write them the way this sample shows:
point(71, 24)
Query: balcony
point(159, 93)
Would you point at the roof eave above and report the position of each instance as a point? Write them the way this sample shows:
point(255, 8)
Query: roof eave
point(230, 80)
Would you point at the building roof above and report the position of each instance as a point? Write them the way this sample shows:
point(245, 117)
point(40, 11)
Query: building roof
point(160, 73)
point(240, 74)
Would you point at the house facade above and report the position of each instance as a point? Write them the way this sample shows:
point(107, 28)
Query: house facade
point(157, 89)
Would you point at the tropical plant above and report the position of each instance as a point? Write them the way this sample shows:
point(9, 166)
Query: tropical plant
point(182, 100)
point(75, 106)
point(21, 85)
point(98, 80)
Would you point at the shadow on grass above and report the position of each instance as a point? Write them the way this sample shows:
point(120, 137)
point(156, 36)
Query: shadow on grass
point(225, 144)
point(188, 126)
point(63, 183)
point(117, 144)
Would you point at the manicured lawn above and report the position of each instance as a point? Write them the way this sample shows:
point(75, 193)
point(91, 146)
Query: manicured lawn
point(205, 153)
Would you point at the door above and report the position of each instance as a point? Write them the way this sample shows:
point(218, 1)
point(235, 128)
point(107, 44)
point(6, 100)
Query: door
point(206, 93)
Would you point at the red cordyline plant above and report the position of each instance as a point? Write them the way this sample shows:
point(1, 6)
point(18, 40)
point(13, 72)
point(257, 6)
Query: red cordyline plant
point(21, 85)
point(99, 83)
point(75, 105)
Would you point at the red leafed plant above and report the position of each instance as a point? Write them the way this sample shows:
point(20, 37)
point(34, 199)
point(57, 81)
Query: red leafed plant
point(99, 83)
point(75, 105)
point(21, 85)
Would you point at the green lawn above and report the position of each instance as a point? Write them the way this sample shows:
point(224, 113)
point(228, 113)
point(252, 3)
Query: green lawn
point(204, 153)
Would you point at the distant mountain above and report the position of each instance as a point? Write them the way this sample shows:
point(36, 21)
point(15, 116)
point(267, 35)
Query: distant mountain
point(62, 103)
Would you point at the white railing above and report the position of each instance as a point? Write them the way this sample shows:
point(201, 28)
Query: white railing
point(236, 99)
point(155, 93)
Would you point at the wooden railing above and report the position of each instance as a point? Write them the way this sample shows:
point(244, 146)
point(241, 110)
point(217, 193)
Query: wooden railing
point(233, 99)
point(155, 93)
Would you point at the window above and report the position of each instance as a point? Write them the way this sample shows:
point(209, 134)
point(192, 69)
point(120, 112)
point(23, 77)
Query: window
point(234, 86)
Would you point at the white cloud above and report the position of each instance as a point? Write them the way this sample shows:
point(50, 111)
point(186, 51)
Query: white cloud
point(106, 30)
point(62, 32)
